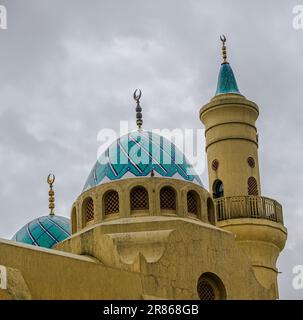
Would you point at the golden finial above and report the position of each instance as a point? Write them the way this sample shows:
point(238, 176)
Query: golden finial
point(224, 54)
point(51, 194)
point(137, 97)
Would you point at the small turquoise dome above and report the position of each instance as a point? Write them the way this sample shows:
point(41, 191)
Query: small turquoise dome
point(141, 154)
point(44, 232)
point(226, 81)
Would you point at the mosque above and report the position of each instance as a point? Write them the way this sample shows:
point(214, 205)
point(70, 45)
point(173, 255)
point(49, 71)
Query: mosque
point(151, 230)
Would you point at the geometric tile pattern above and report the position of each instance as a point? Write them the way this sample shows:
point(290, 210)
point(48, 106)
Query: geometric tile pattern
point(141, 154)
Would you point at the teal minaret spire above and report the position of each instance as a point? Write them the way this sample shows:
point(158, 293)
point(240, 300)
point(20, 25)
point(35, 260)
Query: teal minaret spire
point(226, 81)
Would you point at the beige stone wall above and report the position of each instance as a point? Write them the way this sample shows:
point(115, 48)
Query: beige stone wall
point(170, 254)
point(50, 274)
point(12, 285)
point(262, 241)
point(135, 258)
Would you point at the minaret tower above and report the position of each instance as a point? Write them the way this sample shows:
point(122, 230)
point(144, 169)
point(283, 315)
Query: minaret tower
point(234, 178)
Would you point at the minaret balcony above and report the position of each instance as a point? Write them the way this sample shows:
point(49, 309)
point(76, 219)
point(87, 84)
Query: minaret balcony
point(248, 207)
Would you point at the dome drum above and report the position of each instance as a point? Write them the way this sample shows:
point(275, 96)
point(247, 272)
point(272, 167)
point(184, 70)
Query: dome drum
point(143, 197)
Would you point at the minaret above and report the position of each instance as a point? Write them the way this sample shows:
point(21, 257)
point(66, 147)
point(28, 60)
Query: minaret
point(234, 178)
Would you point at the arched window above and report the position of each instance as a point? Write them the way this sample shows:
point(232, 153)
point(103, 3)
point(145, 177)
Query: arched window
point(252, 186)
point(211, 211)
point(139, 199)
point(168, 198)
point(88, 209)
point(74, 220)
point(251, 162)
point(218, 190)
point(210, 287)
point(193, 205)
point(111, 202)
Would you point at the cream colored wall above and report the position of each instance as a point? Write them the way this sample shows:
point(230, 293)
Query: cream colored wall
point(51, 274)
point(170, 253)
point(262, 241)
point(13, 286)
point(4, 295)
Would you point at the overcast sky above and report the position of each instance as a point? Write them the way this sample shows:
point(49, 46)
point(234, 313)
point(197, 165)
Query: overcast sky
point(68, 69)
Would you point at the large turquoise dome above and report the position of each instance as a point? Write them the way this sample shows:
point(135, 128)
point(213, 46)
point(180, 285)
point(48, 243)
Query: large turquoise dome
point(141, 154)
point(44, 232)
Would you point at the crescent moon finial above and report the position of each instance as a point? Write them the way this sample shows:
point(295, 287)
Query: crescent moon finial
point(51, 193)
point(51, 179)
point(224, 52)
point(137, 97)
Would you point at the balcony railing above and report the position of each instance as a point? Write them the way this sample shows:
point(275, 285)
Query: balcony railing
point(248, 207)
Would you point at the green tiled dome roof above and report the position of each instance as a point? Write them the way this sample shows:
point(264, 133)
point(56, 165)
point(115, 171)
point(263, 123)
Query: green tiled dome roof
point(141, 154)
point(44, 232)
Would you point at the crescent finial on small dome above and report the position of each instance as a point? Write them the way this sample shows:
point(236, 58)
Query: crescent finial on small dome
point(51, 194)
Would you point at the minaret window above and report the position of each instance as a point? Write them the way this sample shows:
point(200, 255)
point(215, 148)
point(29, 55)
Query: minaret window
point(88, 209)
point(168, 198)
point(192, 202)
point(218, 190)
point(251, 162)
point(111, 202)
point(215, 165)
point(252, 186)
point(139, 199)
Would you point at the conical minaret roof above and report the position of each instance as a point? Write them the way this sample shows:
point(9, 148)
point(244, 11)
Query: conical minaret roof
point(226, 80)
